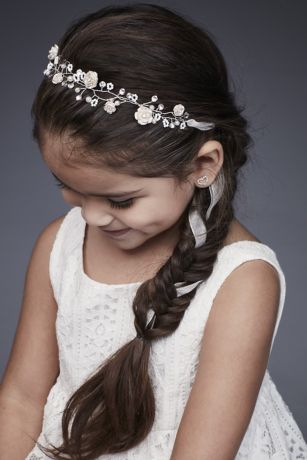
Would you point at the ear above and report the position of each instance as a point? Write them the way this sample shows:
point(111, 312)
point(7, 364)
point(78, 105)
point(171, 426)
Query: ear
point(209, 161)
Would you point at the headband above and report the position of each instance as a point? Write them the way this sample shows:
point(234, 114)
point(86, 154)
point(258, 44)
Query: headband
point(62, 73)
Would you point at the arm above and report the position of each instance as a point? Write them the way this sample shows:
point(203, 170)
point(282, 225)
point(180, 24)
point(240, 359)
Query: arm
point(232, 362)
point(33, 362)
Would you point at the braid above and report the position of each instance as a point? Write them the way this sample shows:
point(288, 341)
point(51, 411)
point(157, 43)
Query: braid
point(186, 264)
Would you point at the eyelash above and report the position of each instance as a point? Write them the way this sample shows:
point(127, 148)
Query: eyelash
point(114, 204)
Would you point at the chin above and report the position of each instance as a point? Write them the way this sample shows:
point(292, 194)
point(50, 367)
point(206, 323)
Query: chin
point(130, 245)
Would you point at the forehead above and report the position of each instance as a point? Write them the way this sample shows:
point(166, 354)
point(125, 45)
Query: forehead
point(62, 149)
point(66, 157)
point(66, 154)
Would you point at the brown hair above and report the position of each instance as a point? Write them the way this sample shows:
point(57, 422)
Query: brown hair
point(144, 48)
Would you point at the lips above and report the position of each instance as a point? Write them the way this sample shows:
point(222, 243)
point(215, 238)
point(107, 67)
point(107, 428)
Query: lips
point(116, 233)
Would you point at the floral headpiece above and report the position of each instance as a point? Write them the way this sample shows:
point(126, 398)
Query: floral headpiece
point(62, 73)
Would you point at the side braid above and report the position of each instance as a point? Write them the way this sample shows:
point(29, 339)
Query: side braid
point(186, 264)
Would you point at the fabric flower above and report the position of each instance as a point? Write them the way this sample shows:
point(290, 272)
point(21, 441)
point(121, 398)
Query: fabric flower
point(53, 52)
point(178, 110)
point(90, 79)
point(143, 115)
point(57, 78)
point(109, 107)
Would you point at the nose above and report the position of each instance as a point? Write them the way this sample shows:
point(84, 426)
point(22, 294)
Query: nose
point(95, 215)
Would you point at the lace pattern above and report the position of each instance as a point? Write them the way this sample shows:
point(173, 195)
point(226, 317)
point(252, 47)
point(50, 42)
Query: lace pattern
point(95, 319)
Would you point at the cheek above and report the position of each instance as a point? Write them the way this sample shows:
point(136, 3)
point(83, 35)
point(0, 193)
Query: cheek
point(156, 214)
point(142, 215)
point(170, 208)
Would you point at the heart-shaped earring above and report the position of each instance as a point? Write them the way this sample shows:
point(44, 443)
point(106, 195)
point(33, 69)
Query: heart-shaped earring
point(201, 181)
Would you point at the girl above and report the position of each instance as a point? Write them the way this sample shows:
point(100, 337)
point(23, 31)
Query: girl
point(150, 311)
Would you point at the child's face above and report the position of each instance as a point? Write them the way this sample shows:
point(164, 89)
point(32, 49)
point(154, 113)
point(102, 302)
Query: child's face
point(153, 205)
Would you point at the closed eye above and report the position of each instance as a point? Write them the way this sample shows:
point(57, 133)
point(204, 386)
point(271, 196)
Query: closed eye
point(121, 204)
point(114, 204)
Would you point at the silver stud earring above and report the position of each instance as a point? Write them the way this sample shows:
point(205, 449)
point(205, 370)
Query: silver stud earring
point(201, 181)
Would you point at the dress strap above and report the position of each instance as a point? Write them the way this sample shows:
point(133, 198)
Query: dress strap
point(66, 241)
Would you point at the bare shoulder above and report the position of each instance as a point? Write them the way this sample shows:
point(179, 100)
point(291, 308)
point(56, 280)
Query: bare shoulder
point(232, 362)
point(33, 362)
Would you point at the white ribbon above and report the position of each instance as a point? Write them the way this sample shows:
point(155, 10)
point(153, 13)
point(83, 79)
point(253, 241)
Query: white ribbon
point(202, 125)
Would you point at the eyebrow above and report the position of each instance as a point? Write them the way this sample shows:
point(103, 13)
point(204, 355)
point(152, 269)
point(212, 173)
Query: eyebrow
point(121, 194)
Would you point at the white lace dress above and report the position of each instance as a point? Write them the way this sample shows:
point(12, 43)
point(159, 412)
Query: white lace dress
point(95, 319)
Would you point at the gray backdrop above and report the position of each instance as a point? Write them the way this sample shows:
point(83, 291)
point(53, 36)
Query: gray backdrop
point(264, 43)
